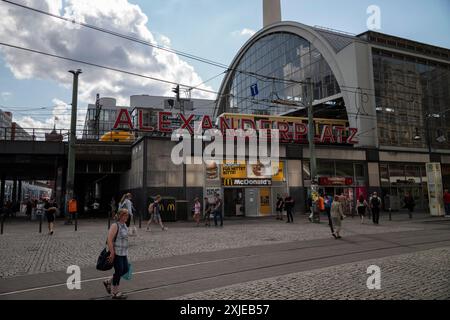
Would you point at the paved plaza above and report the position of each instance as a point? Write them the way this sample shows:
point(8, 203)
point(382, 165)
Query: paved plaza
point(25, 251)
point(248, 259)
point(420, 275)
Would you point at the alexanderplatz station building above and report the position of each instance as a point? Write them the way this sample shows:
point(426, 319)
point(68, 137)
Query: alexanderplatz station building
point(381, 114)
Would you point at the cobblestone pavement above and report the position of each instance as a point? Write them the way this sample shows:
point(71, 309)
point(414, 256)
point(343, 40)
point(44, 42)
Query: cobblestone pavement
point(24, 251)
point(419, 275)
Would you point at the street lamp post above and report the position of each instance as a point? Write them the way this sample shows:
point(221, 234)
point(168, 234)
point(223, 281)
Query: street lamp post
point(72, 138)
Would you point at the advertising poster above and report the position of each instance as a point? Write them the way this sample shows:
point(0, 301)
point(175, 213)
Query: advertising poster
point(234, 170)
point(259, 171)
point(278, 173)
point(435, 193)
point(264, 202)
point(212, 171)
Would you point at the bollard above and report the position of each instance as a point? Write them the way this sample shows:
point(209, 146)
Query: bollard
point(76, 221)
point(390, 216)
point(140, 220)
point(2, 222)
point(410, 215)
point(40, 223)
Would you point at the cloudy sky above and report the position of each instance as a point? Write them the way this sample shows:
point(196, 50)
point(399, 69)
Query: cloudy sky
point(38, 88)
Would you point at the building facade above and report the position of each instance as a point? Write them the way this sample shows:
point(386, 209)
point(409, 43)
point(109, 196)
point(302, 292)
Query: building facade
point(394, 91)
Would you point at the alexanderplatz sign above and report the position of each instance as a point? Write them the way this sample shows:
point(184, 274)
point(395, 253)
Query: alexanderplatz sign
point(290, 129)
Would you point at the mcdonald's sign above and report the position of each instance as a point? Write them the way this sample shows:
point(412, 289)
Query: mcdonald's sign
point(161, 207)
point(171, 207)
point(229, 182)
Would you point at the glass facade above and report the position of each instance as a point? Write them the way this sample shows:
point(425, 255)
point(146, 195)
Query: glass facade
point(107, 117)
point(412, 98)
point(397, 179)
point(279, 55)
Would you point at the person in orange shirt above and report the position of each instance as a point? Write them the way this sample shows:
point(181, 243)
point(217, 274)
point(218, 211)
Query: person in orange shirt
point(73, 208)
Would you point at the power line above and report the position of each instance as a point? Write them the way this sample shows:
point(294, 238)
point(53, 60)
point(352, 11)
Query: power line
point(153, 78)
point(100, 66)
point(190, 56)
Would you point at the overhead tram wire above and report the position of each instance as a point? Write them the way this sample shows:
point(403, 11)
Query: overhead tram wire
point(140, 75)
point(187, 55)
point(102, 67)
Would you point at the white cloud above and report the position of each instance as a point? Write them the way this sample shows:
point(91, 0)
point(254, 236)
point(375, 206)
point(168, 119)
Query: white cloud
point(5, 95)
point(60, 119)
point(32, 30)
point(244, 32)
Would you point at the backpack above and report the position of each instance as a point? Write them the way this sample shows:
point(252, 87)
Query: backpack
point(151, 208)
point(375, 202)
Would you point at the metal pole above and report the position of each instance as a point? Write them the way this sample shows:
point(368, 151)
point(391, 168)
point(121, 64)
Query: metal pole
point(390, 216)
point(40, 223)
point(72, 138)
point(312, 153)
point(76, 221)
point(140, 220)
point(3, 221)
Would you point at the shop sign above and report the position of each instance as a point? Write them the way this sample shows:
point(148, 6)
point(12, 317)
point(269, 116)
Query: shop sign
point(290, 129)
point(435, 194)
point(230, 182)
point(335, 181)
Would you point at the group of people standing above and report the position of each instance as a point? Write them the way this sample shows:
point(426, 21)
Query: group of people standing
point(212, 207)
point(287, 203)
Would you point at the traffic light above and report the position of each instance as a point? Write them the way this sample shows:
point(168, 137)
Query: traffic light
point(176, 90)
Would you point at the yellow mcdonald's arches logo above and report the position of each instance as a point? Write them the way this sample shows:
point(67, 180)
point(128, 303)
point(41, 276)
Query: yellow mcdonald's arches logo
point(171, 207)
point(227, 182)
point(161, 207)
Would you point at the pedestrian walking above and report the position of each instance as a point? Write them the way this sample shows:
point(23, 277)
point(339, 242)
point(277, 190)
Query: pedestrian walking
point(289, 205)
point(197, 210)
point(409, 202)
point(207, 212)
point(118, 248)
point(328, 202)
point(320, 207)
point(447, 202)
point(50, 208)
point(337, 215)
point(29, 209)
point(125, 203)
point(361, 205)
point(375, 204)
point(155, 215)
point(218, 210)
point(279, 207)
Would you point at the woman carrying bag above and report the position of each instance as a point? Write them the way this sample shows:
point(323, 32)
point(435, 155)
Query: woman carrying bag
point(118, 247)
point(337, 215)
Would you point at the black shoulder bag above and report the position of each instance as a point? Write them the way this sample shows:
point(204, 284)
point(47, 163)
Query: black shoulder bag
point(102, 262)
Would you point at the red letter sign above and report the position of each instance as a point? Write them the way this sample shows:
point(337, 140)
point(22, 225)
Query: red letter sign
point(126, 121)
point(162, 123)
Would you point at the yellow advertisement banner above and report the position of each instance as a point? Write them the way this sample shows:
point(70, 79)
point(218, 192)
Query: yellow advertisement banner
point(278, 173)
point(234, 171)
point(264, 202)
